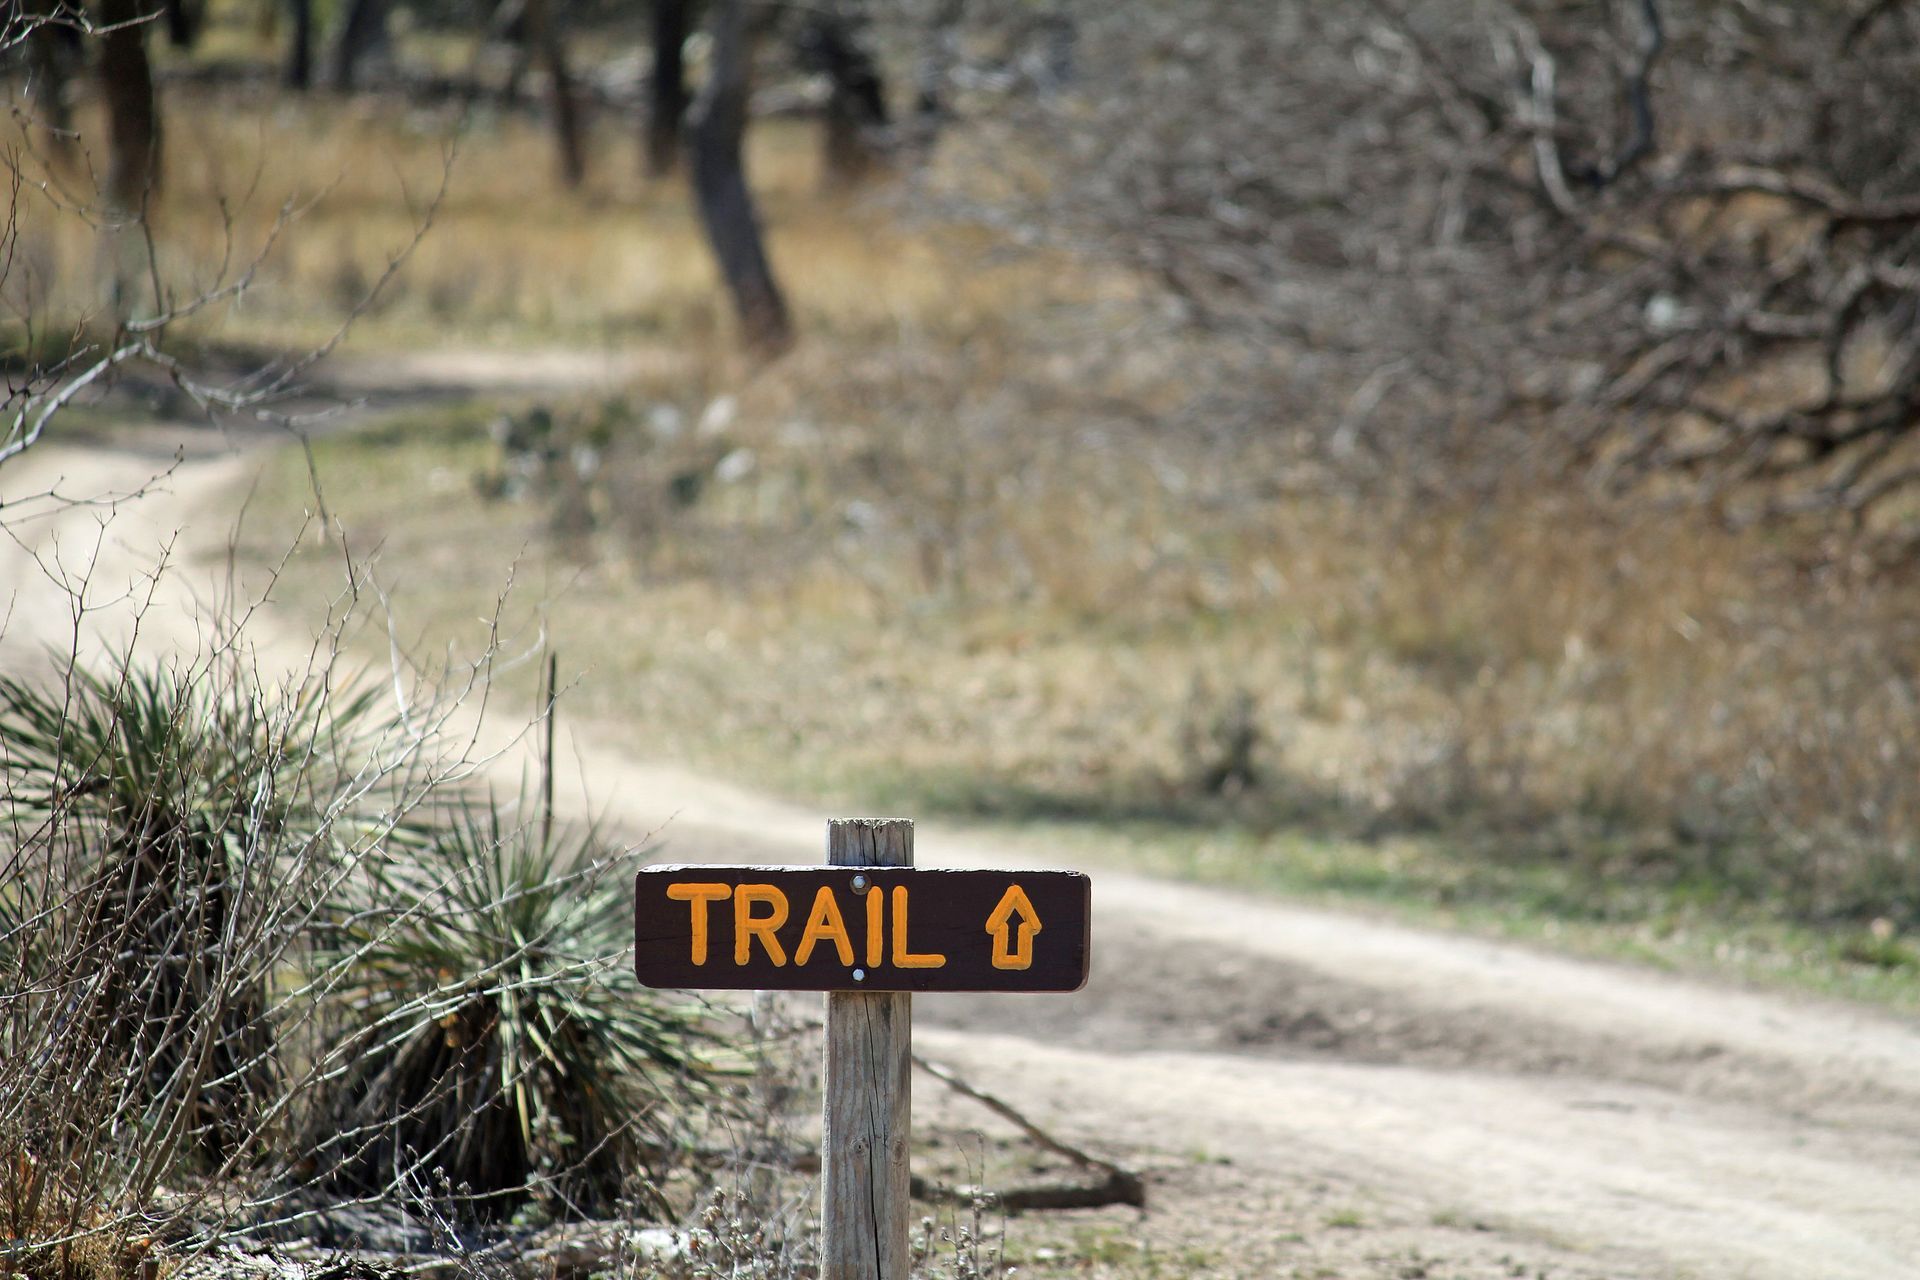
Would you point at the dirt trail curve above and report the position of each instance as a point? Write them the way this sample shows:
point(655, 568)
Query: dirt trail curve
point(1593, 1120)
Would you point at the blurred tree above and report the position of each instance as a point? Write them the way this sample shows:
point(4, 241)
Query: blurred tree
point(133, 111)
point(937, 54)
point(183, 22)
point(509, 24)
point(52, 50)
point(666, 87)
point(716, 127)
point(856, 111)
point(297, 71)
point(549, 45)
point(362, 32)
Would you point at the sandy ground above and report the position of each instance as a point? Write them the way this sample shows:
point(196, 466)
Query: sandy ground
point(1311, 1094)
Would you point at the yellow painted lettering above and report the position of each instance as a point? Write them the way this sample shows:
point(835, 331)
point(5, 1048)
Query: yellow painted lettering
point(699, 895)
point(824, 922)
point(902, 958)
point(876, 933)
point(747, 927)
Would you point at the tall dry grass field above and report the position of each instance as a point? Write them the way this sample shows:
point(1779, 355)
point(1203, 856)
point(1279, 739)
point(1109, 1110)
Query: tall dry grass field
point(510, 258)
point(976, 510)
point(944, 587)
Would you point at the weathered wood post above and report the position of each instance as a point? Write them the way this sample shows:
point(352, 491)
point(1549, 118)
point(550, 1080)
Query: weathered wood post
point(864, 1201)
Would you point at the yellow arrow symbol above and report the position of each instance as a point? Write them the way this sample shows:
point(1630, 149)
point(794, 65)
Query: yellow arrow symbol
point(1000, 924)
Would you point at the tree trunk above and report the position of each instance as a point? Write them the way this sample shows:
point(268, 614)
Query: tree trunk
point(183, 24)
point(509, 26)
point(667, 88)
point(298, 71)
point(856, 104)
point(363, 31)
point(133, 113)
point(936, 60)
point(543, 32)
point(715, 129)
point(50, 57)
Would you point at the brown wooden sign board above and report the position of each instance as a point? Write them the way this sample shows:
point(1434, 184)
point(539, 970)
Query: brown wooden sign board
point(861, 929)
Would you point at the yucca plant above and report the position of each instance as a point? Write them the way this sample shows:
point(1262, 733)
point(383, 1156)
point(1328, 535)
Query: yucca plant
point(494, 1040)
point(156, 819)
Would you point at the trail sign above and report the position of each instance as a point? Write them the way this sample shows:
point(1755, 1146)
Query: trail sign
point(861, 929)
point(868, 930)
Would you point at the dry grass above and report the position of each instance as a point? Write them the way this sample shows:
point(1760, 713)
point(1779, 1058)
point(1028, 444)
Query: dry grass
point(510, 260)
point(993, 627)
point(964, 549)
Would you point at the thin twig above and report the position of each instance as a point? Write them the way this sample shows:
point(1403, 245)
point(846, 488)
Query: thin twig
point(1134, 1190)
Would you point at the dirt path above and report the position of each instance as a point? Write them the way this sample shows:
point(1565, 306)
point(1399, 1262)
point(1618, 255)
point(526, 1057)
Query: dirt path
point(1490, 1109)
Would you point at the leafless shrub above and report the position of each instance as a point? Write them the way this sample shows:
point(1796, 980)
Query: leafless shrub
point(257, 942)
point(1668, 245)
point(149, 807)
point(171, 835)
point(758, 1217)
point(1220, 738)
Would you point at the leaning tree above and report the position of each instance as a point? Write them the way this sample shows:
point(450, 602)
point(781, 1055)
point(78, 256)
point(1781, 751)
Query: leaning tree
point(716, 130)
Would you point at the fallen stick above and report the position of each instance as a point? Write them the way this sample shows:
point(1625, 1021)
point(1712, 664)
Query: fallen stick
point(1118, 1187)
point(1121, 1186)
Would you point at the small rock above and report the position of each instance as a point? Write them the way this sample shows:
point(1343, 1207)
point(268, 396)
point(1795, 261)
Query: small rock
point(718, 415)
point(666, 422)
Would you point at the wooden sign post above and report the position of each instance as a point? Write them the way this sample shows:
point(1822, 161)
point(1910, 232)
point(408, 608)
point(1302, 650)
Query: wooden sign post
point(869, 930)
point(868, 1083)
